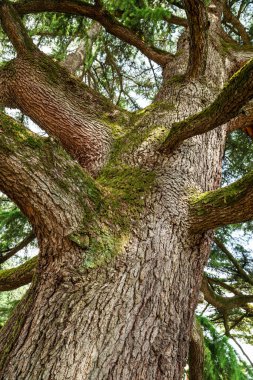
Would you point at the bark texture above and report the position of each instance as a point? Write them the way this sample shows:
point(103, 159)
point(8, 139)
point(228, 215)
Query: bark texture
point(129, 314)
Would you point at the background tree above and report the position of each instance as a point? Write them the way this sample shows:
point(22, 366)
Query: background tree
point(122, 203)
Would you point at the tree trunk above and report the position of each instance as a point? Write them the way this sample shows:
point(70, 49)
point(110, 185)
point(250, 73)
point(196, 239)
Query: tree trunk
point(131, 316)
point(130, 319)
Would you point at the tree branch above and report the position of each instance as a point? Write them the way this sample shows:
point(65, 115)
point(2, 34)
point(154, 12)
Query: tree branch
point(111, 25)
point(176, 20)
point(224, 285)
point(235, 262)
point(15, 277)
point(55, 187)
point(228, 205)
point(15, 30)
point(244, 121)
point(232, 19)
point(198, 26)
point(224, 303)
point(242, 350)
point(6, 255)
point(227, 105)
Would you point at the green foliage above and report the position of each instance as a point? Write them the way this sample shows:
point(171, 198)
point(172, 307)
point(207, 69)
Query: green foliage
point(221, 361)
point(8, 300)
point(13, 224)
point(132, 12)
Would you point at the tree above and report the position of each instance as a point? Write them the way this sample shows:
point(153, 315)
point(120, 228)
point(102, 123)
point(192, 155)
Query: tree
point(122, 203)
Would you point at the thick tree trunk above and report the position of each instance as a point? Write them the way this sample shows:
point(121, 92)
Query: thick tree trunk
point(131, 317)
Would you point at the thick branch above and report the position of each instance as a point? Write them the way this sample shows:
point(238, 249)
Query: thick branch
point(15, 30)
point(231, 18)
point(198, 26)
point(235, 262)
point(111, 25)
point(224, 303)
point(228, 205)
point(6, 255)
point(15, 277)
point(6, 74)
point(227, 105)
point(47, 185)
point(63, 107)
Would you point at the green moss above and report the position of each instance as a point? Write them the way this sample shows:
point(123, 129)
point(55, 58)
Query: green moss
point(227, 47)
point(128, 183)
point(19, 134)
point(176, 79)
point(222, 197)
point(104, 246)
point(80, 239)
point(21, 270)
point(120, 193)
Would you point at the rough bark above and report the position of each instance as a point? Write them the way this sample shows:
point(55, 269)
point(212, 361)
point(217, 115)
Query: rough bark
point(130, 319)
point(120, 266)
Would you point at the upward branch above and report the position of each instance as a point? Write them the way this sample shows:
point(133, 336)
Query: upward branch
point(54, 100)
point(198, 25)
point(15, 30)
point(227, 105)
point(48, 186)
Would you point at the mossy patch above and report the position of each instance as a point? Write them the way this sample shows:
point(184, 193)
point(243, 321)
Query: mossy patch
point(222, 197)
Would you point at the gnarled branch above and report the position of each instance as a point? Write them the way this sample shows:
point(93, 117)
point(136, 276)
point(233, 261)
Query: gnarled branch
point(224, 303)
point(232, 19)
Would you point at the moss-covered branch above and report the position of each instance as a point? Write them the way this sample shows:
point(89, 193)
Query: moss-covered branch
point(226, 106)
point(227, 205)
point(49, 187)
point(15, 277)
